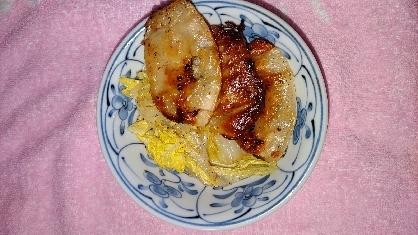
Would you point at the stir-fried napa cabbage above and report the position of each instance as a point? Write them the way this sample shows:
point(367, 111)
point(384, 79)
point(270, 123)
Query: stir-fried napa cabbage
point(213, 159)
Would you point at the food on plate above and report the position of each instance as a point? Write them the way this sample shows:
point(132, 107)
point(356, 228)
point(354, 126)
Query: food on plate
point(182, 63)
point(208, 156)
point(210, 104)
point(241, 98)
point(272, 131)
point(256, 104)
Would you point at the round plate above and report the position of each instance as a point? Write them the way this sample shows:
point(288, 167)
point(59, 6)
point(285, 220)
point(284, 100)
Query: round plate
point(179, 198)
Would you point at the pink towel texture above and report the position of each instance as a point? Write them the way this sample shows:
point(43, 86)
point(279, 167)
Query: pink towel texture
point(53, 177)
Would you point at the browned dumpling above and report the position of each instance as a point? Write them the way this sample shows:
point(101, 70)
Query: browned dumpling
point(274, 127)
point(241, 98)
point(182, 63)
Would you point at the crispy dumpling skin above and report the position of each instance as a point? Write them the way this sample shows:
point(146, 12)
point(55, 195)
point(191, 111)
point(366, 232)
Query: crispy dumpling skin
point(241, 98)
point(182, 63)
point(274, 127)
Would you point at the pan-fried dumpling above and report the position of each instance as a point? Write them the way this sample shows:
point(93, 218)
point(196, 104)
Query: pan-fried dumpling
point(182, 63)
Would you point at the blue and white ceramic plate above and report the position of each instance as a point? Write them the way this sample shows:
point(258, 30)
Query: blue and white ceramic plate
point(181, 199)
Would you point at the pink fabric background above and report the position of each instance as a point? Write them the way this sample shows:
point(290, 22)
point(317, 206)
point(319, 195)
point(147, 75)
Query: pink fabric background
point(53, 177)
